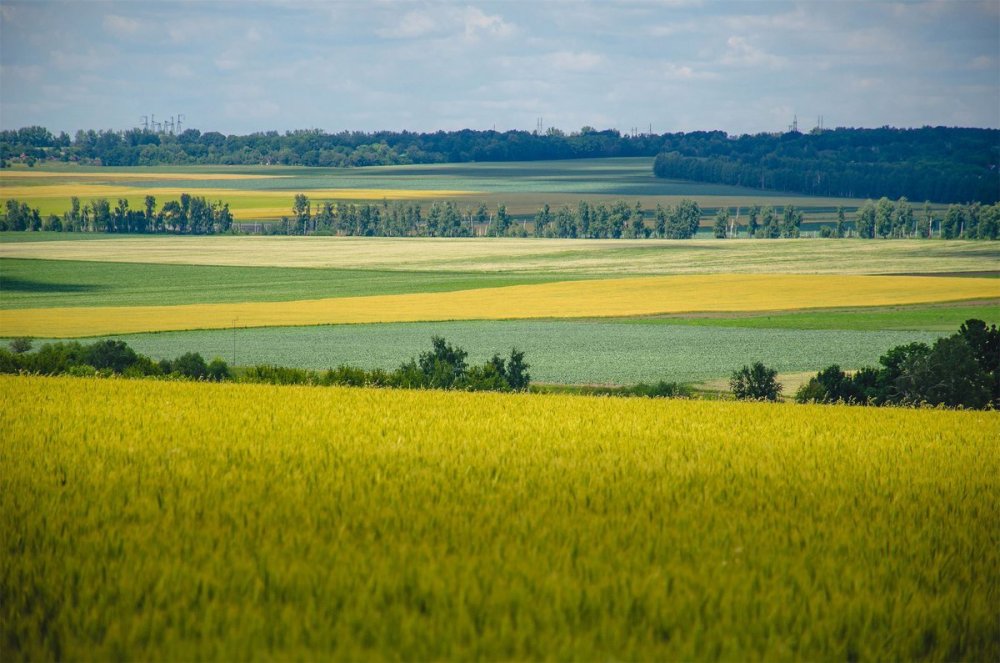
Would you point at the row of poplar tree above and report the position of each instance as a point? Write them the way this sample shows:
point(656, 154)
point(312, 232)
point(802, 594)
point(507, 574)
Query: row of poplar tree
point(196, 215)
point(193, 215)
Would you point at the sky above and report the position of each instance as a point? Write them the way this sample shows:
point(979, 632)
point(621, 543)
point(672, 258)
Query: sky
point(669, 65)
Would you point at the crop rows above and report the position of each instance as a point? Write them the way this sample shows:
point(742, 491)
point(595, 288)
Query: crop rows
point(144, 520)
point(569, 352)
point(567, 299)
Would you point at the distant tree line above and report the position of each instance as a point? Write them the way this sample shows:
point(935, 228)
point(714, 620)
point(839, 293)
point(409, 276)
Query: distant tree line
point(193, 215)
point(444, 366)
point(940, 164)
point(886, 219)
point(961, 370)
point(139, 147)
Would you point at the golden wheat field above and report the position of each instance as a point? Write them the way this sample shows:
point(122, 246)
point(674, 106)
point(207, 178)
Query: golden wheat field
point(162, 520)
point(564, 299)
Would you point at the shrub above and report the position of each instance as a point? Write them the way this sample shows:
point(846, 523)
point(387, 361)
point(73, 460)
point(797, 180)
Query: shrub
point(218, 370)
point(109, 354)
point(190, 365)
point(271, 374)
point(20, 345)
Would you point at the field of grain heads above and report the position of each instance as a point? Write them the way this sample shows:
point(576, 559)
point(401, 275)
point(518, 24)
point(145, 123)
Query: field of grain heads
point(150, 520)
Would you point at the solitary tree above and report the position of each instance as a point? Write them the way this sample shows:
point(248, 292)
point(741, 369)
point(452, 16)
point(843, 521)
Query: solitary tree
point(755, 383)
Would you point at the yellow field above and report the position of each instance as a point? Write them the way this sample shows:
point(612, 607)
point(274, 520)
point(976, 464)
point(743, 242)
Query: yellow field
point(83, 176)
point(568, 299)
point(146, 520)
point(814, 256)
point(245, 204)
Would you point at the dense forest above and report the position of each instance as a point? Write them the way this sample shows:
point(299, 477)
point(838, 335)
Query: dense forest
point(937, 164)
point(138, 147)
point(196, 215)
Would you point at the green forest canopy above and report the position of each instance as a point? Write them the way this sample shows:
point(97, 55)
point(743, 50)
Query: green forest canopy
point(939, 164)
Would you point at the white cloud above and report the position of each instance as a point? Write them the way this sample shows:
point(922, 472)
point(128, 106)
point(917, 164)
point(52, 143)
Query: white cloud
point(681, 72)
point(177, 70)
point(469, 23)
point(89, 60)
point(478, 23)
point(121, 26)
point(575, 62)
point(229, 60)
point(740, 53)
point(412, 25)
point(797, 21)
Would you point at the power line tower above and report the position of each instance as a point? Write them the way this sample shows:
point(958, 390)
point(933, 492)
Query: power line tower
point(145, 123)
point(180, 116)
point(794, 126)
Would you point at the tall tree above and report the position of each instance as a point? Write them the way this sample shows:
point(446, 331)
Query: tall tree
point(721, 227)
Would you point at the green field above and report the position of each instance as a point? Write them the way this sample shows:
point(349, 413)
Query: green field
point(938, 317)
point(522, 186)
point(558, 351)
point(50, 283)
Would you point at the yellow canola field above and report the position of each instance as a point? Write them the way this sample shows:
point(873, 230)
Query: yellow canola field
point(128, 175)
point(146, 520)
point(233, 196)
point(573, 299)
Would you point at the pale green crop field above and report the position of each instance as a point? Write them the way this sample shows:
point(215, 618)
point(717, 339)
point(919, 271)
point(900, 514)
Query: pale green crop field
point(533, 256)
point(564, 352)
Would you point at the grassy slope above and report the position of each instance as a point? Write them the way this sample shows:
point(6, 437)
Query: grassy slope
point(237, 522)
point(558, 351)
point(46, 283)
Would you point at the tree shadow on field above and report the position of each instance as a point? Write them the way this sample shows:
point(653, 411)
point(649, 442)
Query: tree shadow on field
point(11, 285)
